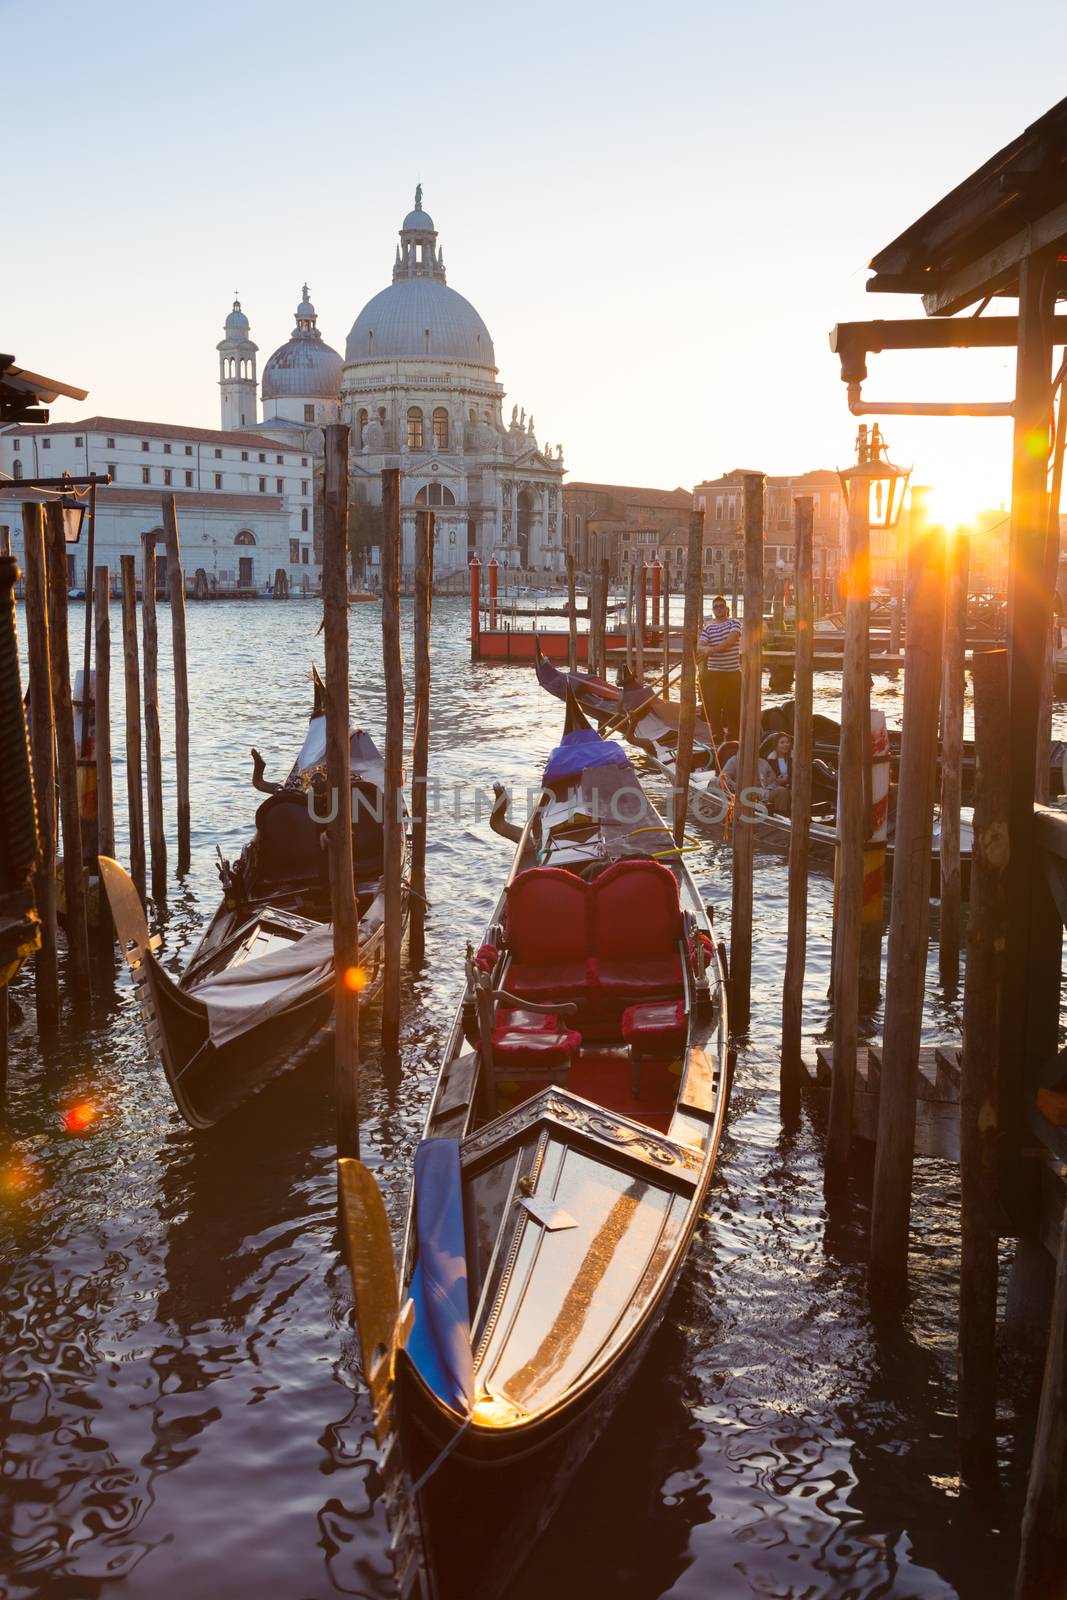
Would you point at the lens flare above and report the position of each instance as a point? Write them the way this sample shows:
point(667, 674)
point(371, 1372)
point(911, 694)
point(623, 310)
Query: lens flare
point(20, 1177)
point(80, 1118)
point(355, 978)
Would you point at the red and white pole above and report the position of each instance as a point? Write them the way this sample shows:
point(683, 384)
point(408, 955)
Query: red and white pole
point(493, 573)
point(476, 607)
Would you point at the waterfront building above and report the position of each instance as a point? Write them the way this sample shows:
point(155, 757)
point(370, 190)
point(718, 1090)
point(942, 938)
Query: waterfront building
point(620, 524)
point(722, 502)
point(420, 392)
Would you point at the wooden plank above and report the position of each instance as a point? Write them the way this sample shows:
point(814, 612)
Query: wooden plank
point(344, 908)
point(698, 1091)
point(1042, 1571)
point(458, 1089)
point(75, 923)
point(909, 914)
point(800, 807)
point(744, 836)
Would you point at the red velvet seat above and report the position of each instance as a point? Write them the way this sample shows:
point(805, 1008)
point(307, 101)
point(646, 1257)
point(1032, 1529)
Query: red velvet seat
point(656, 1030)
point(525, 1050)
point(543, 985)
point(538, 1021)
point(650, 977)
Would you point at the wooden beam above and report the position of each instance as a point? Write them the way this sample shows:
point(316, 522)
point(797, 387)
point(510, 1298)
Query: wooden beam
point(992, 270)
point(852, 341)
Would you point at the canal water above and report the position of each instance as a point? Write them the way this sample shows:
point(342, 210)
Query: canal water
point(181, 1408)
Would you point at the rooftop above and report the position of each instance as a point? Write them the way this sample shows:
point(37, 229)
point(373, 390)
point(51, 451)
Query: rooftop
point(145, 430)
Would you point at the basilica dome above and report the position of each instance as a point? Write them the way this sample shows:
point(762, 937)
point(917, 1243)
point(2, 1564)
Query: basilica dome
point(305, 367)
point(418, 316)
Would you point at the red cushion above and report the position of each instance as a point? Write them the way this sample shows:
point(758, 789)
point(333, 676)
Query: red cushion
point(520, 1047)
point(564, 981)
point(539, 1021)
point(651, 976)
point(546, 917)
point(657, 1029)
point(637, 911)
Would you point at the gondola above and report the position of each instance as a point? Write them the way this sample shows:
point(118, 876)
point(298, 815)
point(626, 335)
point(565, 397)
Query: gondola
point(563, 1169)
point(258, 988)
point(651, 724)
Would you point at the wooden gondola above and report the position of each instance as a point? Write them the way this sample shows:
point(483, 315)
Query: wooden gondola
point(258, 988)
point(651, 724)
point(564, 1166)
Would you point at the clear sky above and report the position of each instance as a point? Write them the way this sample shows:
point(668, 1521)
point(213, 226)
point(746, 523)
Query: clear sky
point(659, 210)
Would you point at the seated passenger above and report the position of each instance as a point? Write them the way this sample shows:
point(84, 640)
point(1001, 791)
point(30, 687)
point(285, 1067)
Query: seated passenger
point(774, 776)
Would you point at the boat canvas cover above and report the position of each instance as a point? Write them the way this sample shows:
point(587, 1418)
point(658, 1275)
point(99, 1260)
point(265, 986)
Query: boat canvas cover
point(255, 990)
point(439, 1345)
point(580, 750)
point(364, 757)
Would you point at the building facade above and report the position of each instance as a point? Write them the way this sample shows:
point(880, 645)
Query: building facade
point(722, 502)
point(420, 392)
point(620, 524)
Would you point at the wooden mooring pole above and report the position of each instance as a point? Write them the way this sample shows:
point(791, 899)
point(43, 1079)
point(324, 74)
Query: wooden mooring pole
point(602, 616)
point(799, 810)
point(394, 758)
point(665, 691)
point(572, 615)
point(67, 758)
point(132, 678)
point(694, 594)
point(952, 690)
point(420, 752)
point(105, 798)
point(630, 604)
point(349, 979)
point(642, 607)
point(744, 835)
point(1043, 1561)
point(851, 836)
point(986, 932)
point(42, 744)
point(909, 913)
point(157, 838)
point(176, 589)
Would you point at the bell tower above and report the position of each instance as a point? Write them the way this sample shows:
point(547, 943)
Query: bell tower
point(237, 372)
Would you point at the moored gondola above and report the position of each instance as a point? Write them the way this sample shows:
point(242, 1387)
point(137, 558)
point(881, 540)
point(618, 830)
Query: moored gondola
point(566, 1157)
point(258, 988)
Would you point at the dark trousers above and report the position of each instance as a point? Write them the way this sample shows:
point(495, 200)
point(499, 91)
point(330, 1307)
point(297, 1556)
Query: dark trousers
point(721, 696)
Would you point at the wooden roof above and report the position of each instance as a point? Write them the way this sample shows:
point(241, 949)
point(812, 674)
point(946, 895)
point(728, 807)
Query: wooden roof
point(969, 245)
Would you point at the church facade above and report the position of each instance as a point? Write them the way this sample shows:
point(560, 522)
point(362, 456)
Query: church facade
point(420, 392)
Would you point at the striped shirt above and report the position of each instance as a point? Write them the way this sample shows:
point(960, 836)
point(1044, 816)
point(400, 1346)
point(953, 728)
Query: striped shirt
point(714, 633)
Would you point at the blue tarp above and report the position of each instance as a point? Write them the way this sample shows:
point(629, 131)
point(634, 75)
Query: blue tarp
point(439, 1345)
point(581, 749)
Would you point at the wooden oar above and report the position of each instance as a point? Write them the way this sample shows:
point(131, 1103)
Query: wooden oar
point(383, 1328)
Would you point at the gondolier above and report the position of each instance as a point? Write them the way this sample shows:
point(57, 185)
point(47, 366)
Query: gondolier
point(719, 659)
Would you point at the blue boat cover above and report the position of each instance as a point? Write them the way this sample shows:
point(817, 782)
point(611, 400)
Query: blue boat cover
point(581, 749)
point(439, 1344)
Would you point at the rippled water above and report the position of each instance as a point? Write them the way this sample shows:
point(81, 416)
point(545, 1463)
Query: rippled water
point(180, 1402)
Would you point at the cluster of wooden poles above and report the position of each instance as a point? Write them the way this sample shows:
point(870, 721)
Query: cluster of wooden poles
point(345, 911)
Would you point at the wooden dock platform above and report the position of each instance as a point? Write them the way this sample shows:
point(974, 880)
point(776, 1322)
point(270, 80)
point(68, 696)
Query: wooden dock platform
point(937, 1100)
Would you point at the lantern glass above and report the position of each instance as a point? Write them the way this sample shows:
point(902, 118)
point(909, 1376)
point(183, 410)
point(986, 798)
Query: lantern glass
point(73, 517)
point(886, 485)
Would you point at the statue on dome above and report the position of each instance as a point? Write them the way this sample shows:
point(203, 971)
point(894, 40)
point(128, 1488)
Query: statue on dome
point(418, 197)
point(522, 417)
point(514, 415)
point(531, 427)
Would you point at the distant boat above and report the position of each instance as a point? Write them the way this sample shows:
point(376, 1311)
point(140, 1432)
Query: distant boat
point(363, 594)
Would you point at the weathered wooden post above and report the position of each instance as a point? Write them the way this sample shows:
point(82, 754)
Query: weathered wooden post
point(475, 570)
point(572, 614)
point(799, 810)
point(602, 618)
point(394, 758)
point(986, 933)
point(67, 757)
point(641, 622)
point(348, 977)
point(420, 754)
point(1042, 1571)
point(19, 858)
point(132, 675)
point(656, 578)
point(851, 836)
point(666, 690)
point(906, 962)
point(952, 755)
point(42, 744)
point(105, 799)
point(744, 837)
point(157, 838)
point(494, 578)
point(687, 691)
point(176, 587)
point(631, 654)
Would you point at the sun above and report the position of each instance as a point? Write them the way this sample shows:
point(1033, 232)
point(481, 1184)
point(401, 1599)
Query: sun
point(955, 503)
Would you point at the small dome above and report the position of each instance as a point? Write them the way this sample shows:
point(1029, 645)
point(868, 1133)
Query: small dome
point(237, 322)
point(305, 368)
point(418, 221)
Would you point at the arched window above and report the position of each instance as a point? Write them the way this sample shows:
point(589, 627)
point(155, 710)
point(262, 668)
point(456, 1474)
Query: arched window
point(16, 470)
point(435, 494)
point(361, 424)
point(415, 439)
point(244, 537)
point(440, 428)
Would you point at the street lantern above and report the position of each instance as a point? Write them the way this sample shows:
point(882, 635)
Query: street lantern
point(73, 517)
point(885, 482)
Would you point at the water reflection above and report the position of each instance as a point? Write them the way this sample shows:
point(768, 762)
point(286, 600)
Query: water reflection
point(179, 1392)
